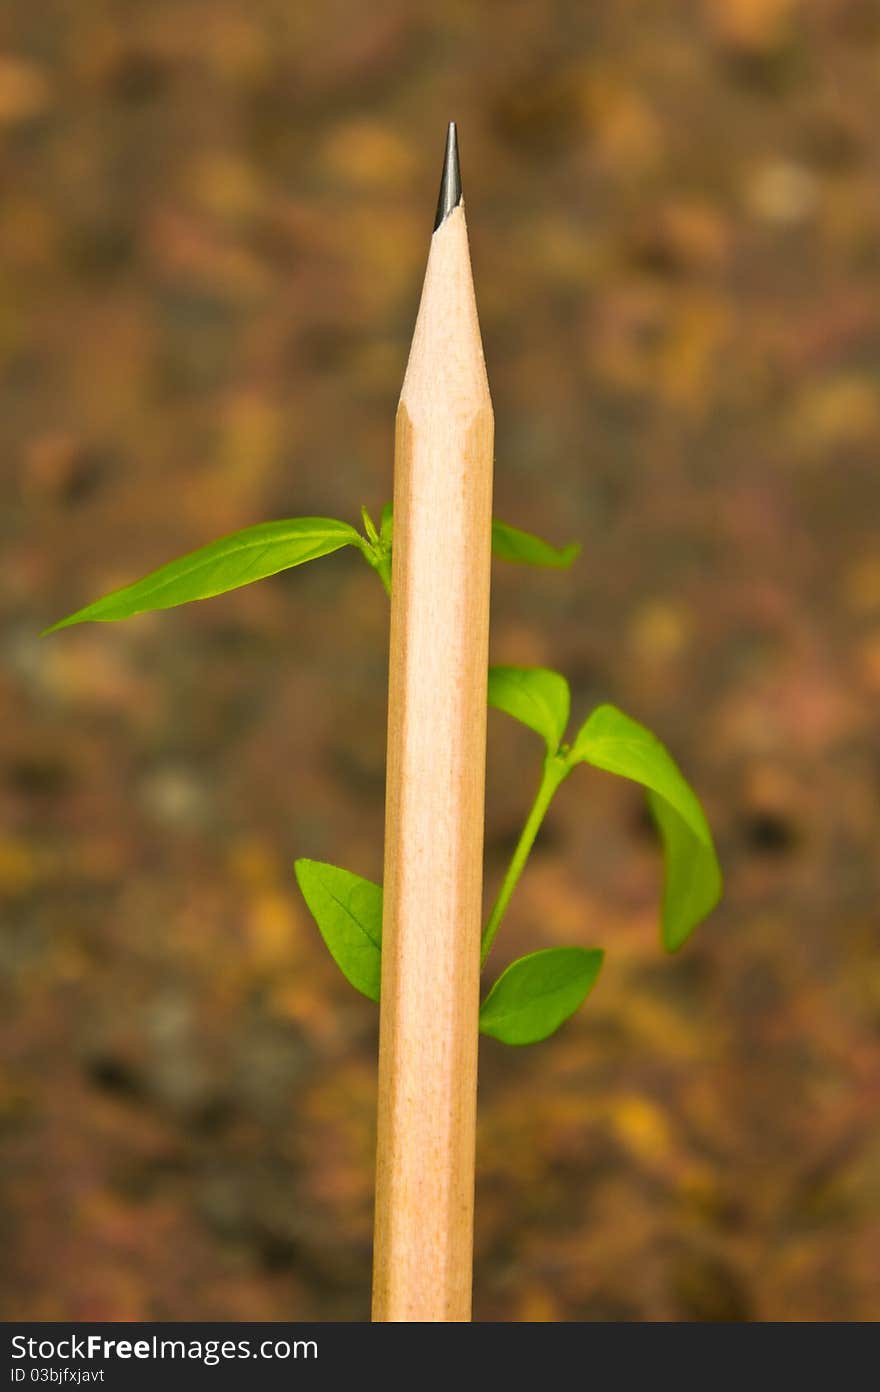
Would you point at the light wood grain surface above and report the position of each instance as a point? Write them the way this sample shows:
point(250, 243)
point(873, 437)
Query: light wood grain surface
point(435, 803)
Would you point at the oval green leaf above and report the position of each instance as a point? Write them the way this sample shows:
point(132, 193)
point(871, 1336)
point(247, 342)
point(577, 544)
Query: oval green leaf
point(692, 876)
point(227, 564)
point(538, 993)
point(348, 912)
point(510, 544)
point(535, 696)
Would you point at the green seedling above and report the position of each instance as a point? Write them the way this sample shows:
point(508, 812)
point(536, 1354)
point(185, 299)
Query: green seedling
point(539, 992)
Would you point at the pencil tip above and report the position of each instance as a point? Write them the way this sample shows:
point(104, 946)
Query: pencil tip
point(450, 183)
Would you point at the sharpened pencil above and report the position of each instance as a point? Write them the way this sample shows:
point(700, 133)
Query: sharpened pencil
point(423, 1254)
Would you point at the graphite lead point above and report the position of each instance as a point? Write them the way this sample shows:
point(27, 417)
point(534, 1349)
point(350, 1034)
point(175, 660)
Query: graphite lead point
point(450, 183)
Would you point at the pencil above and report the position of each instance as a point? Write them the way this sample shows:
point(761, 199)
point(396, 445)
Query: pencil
point(423, 1254)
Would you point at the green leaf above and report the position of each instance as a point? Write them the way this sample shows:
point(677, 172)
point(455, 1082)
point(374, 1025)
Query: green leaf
point(692, 881)
point(510, 544)
point(386, 525)
point(537, 993)
point(348, 912)
point(222, 565)
point(534, 695)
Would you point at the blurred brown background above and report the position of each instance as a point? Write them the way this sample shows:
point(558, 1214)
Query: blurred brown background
point(214, 218)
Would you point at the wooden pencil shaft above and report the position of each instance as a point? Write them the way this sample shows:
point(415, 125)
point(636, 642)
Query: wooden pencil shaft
point(435, 803)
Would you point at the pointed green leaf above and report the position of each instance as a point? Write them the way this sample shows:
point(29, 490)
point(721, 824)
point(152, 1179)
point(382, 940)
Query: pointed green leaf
point(510, 544)
point(692, 880)
point(534, 695)
point(537, 993)
point(369, 525)
point(386, 525)
point(348, 912)
point(222, 565)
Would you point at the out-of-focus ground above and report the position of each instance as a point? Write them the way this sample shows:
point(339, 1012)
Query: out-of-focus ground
point(214, 219)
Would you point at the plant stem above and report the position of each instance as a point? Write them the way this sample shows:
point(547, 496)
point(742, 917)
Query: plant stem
point(382, 567)
point(556, 768)
point(376, 553)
